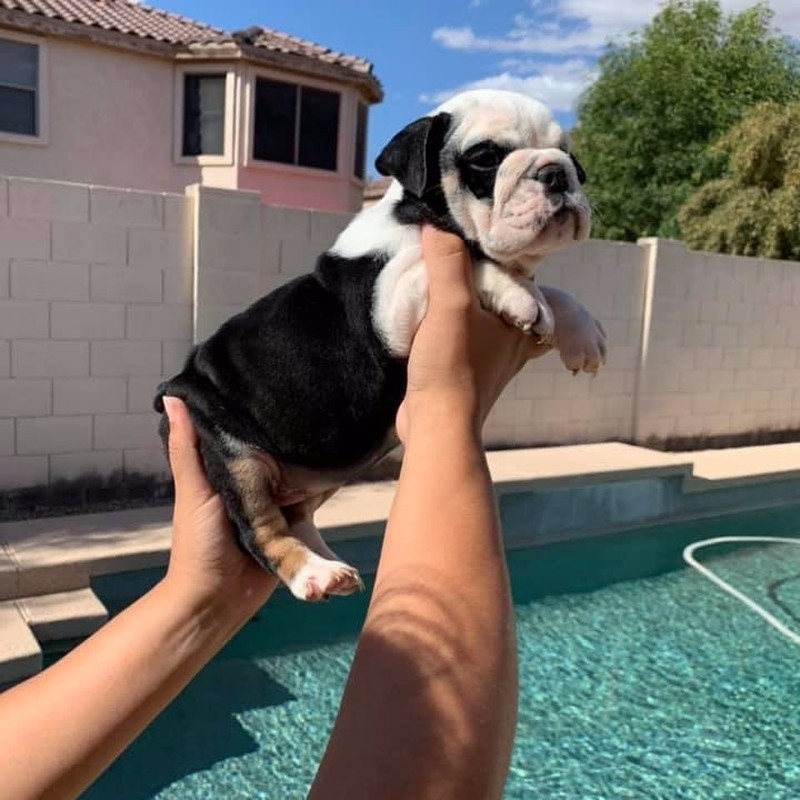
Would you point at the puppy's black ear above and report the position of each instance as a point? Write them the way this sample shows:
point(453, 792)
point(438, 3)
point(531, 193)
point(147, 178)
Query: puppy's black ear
point(412, 156)
point(579, 169)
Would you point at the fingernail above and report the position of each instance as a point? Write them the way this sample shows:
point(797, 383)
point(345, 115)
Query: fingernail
point(169, 406)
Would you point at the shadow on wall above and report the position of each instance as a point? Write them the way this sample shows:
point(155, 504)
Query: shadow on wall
point(88, 494)
point(94, 493)
point(757, 438)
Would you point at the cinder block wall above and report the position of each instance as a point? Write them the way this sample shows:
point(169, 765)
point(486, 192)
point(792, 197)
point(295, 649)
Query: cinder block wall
point(246, 249)
point(546, 404)
point(103, 291)
point(722, 347)
point(95, 306)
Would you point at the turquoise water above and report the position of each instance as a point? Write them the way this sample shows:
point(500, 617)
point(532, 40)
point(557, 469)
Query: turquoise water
point(659, 687)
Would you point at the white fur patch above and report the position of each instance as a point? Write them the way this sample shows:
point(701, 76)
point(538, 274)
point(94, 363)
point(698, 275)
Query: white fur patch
point(318, 578)
point(400, 300)
point(375, 230)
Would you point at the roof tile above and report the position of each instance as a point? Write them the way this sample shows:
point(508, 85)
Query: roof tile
point(145, 22)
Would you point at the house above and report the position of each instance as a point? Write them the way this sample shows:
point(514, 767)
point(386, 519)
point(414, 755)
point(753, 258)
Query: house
point(116, 93)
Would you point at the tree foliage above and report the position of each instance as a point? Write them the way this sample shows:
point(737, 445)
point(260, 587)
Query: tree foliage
point(662, 98)
point(754, 209)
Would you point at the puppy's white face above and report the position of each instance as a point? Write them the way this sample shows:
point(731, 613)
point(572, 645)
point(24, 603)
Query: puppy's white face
point(493, 166)
point(508, 178)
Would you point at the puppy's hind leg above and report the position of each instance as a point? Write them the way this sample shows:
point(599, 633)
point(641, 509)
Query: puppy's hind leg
point(272, 542)
point(301, 522)
point(300, 518)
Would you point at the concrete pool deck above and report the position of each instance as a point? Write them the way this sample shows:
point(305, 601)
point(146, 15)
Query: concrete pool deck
point(46, 565)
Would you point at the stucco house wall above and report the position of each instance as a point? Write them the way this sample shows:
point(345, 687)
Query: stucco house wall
point(109, 116)
point(111, 104)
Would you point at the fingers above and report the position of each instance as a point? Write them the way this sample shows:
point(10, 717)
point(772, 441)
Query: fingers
point(449, 266)
point(184, 457)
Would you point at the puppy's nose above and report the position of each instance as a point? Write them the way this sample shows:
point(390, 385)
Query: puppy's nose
point(554, 177)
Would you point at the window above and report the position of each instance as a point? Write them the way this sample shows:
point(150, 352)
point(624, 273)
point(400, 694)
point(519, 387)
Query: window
point(360, 168)
point(203, 115)
point(19, 88)
point(296, 125)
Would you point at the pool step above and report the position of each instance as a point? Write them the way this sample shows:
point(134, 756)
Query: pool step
point(20, 653)
point(29, 622)
point(64, 615)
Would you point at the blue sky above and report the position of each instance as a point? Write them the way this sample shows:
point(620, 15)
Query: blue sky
point(424, 50)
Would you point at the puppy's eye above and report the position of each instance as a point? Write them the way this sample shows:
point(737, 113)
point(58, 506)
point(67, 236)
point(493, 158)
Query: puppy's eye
point(484, 157)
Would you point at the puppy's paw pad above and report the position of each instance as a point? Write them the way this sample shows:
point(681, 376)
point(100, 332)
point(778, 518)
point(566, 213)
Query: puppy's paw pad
point(320, 578)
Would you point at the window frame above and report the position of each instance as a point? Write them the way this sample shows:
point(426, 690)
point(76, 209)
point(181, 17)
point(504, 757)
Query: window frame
point(361, 103)
point(345, 122)
point(42, 135)
point(226, 158)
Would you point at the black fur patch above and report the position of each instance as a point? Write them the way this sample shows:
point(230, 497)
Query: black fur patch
point(300, 374)
point(478, 166)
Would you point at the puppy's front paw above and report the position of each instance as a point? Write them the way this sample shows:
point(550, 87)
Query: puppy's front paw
point(524, 307)
point(519, 308)
point(581, 343)
point(319, 578)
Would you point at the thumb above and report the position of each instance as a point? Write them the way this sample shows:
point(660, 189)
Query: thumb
point(449, 267)
point(184, 457)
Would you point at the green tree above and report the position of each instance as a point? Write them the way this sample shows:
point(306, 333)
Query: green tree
point(754, 209)
point(662, 98)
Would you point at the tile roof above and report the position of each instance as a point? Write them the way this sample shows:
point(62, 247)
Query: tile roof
point(122, 16)
point(145, 22)
point(282, 42)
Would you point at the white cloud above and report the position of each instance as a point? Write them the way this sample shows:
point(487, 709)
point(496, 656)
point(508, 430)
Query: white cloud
point(563, 27)
point(557, 86)
point(550, 51)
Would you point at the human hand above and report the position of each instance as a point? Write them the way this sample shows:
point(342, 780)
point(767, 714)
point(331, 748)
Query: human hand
point(205, 564)
point(462, 356)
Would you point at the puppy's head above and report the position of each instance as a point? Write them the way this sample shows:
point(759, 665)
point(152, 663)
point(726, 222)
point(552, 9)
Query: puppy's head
point(496, 168)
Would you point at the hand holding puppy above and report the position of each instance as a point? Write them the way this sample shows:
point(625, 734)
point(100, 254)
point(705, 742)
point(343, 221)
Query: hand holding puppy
point(462, 356)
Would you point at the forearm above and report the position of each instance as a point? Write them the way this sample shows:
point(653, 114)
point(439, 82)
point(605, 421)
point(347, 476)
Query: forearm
point(431, 702)
point(61, 729)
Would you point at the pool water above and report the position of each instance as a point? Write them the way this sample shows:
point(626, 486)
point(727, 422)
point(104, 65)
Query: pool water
point(658, 687)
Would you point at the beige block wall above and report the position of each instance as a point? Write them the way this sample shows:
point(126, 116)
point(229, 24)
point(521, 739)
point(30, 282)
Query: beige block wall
point(546, 404)
point(246, 249)
point(95, 308)
point(103, 291)
point(721, 356)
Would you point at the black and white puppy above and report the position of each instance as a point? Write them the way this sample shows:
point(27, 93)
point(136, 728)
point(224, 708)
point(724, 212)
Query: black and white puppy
point(297, 394)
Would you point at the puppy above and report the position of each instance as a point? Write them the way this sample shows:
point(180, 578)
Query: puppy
point(297, 394)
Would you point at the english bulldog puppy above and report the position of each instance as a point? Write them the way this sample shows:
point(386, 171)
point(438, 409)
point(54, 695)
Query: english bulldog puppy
point(297, 394)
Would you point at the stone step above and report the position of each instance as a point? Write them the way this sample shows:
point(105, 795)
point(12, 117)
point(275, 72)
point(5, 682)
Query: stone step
point(20, 653)
point(63, 554)
point(64, 615)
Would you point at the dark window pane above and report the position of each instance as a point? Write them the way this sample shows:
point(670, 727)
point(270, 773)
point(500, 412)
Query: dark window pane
point(274, 125)
point(319, 128)
point(19, 64)
point(203, 115)
point(361, 141)
point(18, 111)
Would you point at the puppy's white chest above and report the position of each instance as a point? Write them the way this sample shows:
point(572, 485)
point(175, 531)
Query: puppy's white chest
point(401, 300)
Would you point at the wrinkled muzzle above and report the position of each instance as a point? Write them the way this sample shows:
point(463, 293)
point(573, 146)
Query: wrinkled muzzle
point(538, 207)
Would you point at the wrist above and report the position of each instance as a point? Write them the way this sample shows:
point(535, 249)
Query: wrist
point(222, 609)
point(443, 413)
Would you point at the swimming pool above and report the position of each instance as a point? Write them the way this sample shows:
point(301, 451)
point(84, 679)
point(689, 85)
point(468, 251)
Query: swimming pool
point(653, 687)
